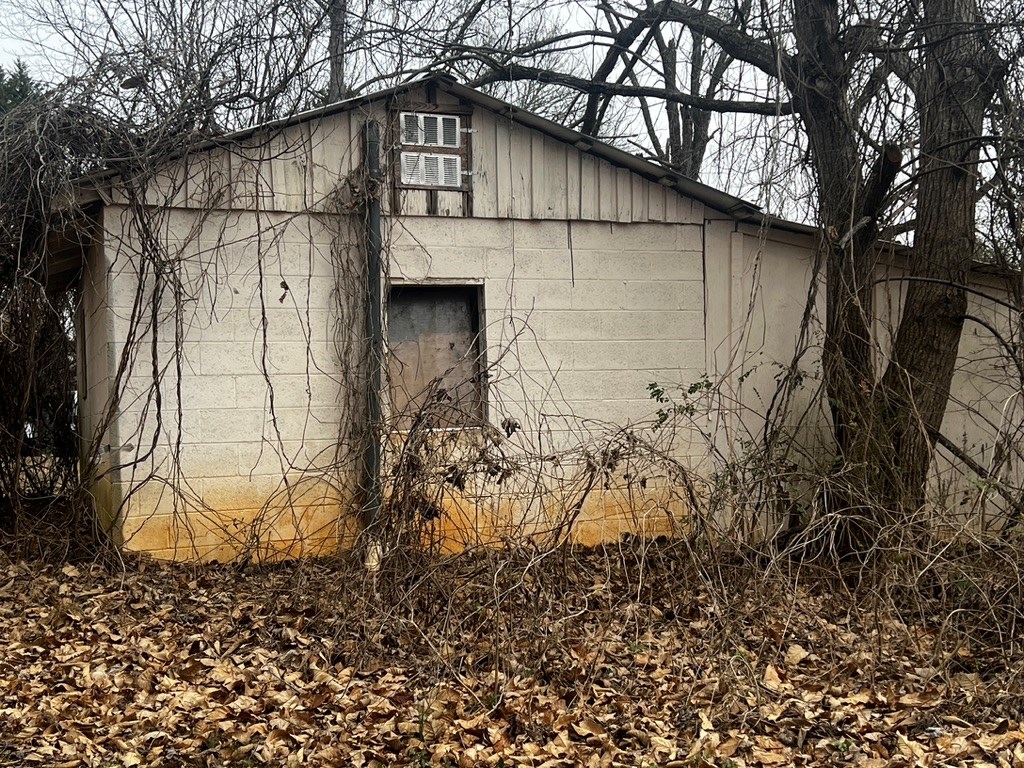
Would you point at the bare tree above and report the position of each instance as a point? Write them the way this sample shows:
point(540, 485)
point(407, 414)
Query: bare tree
point(210, 65)
point(867, 82)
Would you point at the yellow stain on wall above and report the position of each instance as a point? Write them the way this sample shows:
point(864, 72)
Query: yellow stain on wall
point(606, 515)
point(233, 517)
point(314, 521)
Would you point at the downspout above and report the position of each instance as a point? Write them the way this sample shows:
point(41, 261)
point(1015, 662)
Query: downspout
point(375, 334)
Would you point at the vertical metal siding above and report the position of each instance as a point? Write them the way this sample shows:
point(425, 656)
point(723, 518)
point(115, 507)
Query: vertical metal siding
point(518, 172)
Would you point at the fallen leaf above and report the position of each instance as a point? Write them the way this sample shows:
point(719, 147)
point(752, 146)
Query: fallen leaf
point(771, 679)
point(795, 654)
point(588, 727)
point(920, 699)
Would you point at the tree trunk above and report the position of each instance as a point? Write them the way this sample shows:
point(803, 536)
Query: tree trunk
point(883, 425)
point(819, 82)
point(337, 10)
point(959, 82)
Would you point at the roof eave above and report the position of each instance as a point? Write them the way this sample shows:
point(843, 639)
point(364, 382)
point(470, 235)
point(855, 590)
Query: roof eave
point(714, 198)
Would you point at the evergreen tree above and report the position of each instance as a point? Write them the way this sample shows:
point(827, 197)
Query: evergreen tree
point(16, 86)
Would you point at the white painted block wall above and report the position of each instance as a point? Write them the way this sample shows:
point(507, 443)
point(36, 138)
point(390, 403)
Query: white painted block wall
point(580, 317)
point(262, 407)
point(581, 322)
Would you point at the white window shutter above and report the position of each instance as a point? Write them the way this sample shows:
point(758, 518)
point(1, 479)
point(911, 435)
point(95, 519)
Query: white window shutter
point(412, 168)
point(449, 131)
point(431, 170)
point(429, 130)
point(410, 128)
point(452, 171)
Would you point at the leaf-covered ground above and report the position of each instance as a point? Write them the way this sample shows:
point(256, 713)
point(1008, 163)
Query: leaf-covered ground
point(600, 659)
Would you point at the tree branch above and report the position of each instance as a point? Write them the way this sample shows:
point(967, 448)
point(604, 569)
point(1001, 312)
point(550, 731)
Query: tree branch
point(1010, 494)
point(737, 44)
point(513, 72)
point(725, 34)
point(883, 174)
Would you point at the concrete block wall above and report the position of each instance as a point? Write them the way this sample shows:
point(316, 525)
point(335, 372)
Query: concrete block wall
point(256, 393)
point(95, 370)
point(763, 280)
point(254, 339)
point(579, 318)
point(257, 375)
point(986, 407)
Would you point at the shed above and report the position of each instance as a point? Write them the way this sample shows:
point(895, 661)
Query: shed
point(534, 284)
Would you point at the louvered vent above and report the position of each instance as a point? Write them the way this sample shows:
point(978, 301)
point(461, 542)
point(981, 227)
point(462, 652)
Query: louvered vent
point(431, 170)
point(430, 130)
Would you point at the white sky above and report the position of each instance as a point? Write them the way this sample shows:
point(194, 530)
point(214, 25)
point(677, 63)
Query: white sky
point(9, 51)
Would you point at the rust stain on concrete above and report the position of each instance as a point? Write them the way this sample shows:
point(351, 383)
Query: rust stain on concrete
point(312, 520)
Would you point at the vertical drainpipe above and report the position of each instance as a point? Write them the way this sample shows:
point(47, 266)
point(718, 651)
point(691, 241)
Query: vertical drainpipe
point(375, 333)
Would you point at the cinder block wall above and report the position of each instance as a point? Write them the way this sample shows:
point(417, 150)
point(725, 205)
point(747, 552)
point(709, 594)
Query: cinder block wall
point(581, 323)
point(580, 318)
point(254, 349)
point(249, 350)
point(95, 327)
point(985, 409)
point(762, 283)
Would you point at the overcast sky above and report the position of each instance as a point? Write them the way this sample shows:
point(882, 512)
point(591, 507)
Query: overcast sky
point(9, 50)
